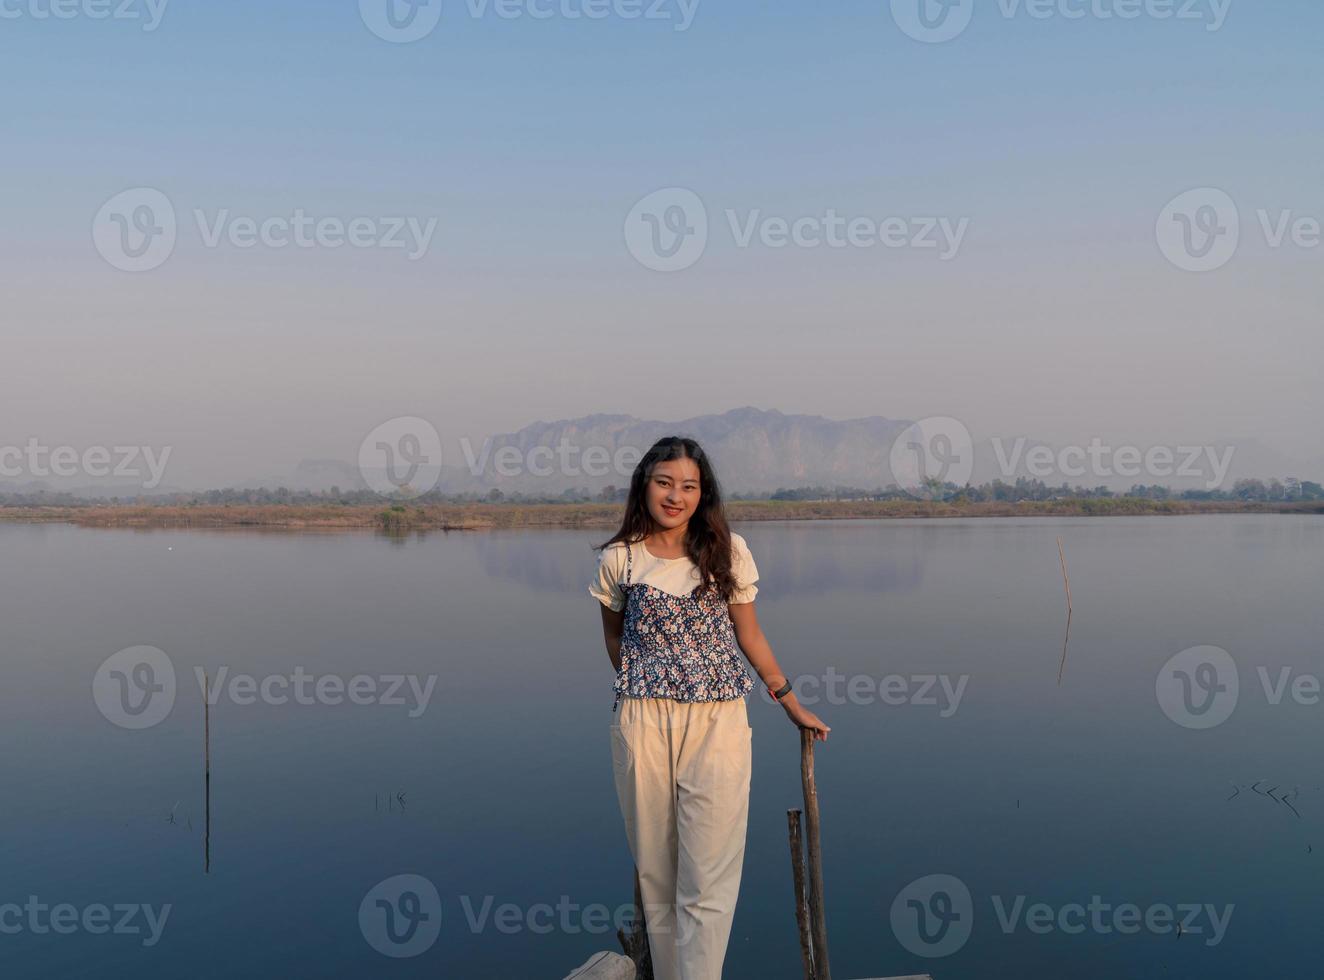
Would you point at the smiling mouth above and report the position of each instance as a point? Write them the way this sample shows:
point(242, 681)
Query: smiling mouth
point(671, 511)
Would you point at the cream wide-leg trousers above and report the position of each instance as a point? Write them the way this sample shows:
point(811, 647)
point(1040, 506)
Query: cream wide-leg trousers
point(682, 778)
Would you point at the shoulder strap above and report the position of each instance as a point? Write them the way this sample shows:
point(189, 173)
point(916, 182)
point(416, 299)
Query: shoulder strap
point(629, 562)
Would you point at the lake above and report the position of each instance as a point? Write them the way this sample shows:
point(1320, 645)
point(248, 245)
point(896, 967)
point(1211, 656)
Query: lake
point(994, 805)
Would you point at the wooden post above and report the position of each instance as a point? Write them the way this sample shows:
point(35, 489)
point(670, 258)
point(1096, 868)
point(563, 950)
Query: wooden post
point(206, 770)
point(818, 922)
point(801, 901)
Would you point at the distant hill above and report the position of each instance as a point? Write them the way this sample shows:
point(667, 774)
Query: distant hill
point(761, 451)
point(753, 451)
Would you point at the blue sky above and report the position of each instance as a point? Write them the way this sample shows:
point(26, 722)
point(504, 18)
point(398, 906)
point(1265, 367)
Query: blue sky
point(1058, 140)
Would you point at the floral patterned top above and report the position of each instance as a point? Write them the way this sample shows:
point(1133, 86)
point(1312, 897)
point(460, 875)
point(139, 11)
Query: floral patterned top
point(678, 641)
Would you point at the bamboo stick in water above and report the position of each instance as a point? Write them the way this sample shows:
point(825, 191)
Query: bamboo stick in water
point(817, 912)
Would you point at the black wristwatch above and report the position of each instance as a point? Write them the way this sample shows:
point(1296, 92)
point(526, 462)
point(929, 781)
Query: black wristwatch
point(779, 694)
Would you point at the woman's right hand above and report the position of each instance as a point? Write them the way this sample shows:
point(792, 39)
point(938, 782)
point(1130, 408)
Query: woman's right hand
point(804, 718)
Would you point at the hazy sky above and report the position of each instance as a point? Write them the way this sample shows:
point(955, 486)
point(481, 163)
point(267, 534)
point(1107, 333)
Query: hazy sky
point(1055, 142)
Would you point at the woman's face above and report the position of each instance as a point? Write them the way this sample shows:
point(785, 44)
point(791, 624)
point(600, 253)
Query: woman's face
point(672, 492)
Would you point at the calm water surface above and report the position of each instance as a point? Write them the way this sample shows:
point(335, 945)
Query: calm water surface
point(1029, 778)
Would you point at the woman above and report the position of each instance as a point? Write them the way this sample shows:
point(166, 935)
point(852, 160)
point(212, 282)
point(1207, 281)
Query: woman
point(677, 593)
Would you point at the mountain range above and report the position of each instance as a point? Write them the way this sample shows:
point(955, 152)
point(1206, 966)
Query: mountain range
point(762, 450)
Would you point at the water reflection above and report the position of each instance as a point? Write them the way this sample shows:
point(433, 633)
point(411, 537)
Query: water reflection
point(1032, 787)
point(806, 559)
point(1065, 640)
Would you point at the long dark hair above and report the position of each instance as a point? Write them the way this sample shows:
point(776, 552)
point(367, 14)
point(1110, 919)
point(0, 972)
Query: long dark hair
point(707, 538)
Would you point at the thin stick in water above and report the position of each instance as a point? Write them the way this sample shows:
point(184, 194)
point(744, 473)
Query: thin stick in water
point(1062, 555)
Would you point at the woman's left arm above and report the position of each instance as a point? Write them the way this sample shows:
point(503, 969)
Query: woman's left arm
point(756, 649)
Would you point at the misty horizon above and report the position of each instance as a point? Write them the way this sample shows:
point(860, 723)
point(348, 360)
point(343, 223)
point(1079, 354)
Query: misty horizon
point(547, 449)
